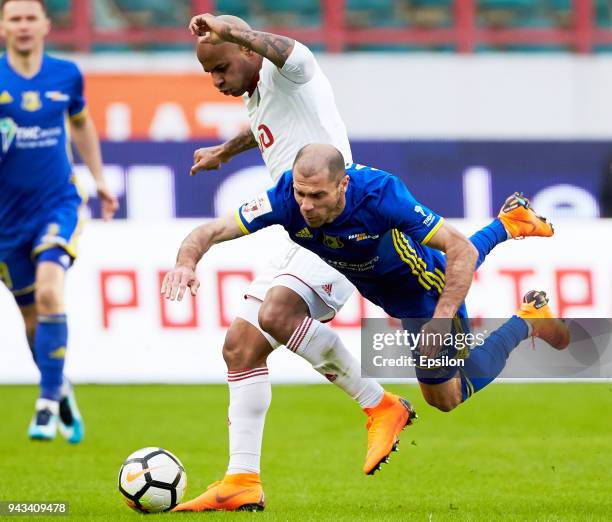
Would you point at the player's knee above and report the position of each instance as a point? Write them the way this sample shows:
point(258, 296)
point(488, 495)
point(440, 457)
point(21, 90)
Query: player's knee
point(30, 321)
point(49, 299)
point(279, 316)
point(445, 403)
point(244, 347)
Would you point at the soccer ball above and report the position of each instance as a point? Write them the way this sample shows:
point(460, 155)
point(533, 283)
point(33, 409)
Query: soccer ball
point(152, 480)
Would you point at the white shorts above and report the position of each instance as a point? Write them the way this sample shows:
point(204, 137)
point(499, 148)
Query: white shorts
point(324, 289)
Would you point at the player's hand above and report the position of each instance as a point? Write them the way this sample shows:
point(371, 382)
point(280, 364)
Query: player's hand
point(109, 202)
point(208, 28)
point(207, 158)
point(177, 281)
point(433, 333)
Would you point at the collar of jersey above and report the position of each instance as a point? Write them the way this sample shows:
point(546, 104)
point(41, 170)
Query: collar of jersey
point(26, 78)
point(253, 85)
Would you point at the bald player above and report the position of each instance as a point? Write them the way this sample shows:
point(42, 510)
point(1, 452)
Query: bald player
point(290, 104)
point(399, 266)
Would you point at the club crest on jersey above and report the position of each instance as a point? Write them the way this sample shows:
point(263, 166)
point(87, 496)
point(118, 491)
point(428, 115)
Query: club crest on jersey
point(256, 207)
point(332, 241)
point(8, 131)
point(304, 233)
point(5, 98)
point(30, 101)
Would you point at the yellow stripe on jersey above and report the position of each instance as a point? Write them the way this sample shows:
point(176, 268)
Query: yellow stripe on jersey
point(240, 223)
point(428, 237)
point(417, 265)
point(470, 386)
point(432, 278)
point(80, 115)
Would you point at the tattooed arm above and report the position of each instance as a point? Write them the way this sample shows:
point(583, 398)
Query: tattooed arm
point(211, 158)
point(219, 29)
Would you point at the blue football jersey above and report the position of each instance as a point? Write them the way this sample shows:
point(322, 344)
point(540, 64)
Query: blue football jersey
point(378, 242)
point(35, 158)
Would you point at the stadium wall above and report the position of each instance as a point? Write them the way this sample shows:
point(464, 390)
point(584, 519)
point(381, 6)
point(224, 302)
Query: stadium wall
point(381, 96)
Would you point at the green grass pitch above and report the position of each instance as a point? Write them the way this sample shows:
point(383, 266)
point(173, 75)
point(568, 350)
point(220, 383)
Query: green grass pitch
point(513, 452)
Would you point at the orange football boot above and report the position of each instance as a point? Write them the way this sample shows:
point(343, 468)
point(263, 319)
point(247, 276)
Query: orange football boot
point(544, 325)
point(520, 220)
point(240, 492)
point(385, 422)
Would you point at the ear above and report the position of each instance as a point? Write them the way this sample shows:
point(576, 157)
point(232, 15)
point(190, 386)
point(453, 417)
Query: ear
point(345, 181)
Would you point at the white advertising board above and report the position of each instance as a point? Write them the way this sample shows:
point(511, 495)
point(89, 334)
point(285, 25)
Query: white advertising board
point(122, 331)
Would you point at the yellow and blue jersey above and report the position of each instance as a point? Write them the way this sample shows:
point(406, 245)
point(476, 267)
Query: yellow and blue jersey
point(379, 241)
point(35, 158)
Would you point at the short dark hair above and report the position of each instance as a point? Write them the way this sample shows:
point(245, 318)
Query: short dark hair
point(333, 161)
point(41, 2)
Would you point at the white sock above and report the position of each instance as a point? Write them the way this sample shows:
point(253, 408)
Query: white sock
point(322, 347)
point(250, 397)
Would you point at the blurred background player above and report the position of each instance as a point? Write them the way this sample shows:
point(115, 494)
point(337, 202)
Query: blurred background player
point(39, 200)
point(290, 104)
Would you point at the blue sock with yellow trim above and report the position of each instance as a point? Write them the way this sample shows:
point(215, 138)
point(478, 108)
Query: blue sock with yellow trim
point(50, 352)
point(486, 362)
point(488, 238)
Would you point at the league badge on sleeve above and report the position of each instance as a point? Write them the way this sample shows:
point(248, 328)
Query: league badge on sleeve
point(257, 207)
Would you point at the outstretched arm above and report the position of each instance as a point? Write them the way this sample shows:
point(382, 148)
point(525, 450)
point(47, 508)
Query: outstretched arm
point(461, 256)
point(193, 247)
point(211, 158)
point(216, 30)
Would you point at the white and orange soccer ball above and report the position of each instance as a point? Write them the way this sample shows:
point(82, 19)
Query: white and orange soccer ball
point(152, 480)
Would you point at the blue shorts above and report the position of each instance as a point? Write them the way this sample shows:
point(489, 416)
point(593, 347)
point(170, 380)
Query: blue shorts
point(440, 374)
point(53, 240)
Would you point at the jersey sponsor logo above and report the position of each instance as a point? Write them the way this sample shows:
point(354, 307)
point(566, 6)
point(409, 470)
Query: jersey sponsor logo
point(362, 236)
point(327, 288)
point(5, 98)
point(332, 241)
point(27, 137)
point(429, 220)
point(304, 233)
point(265, 137)
point(57, 96)
point(30, 101)
point(257, 207)
point(8, 131)
point(355, 267)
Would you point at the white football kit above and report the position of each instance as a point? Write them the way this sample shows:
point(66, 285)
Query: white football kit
point(291, 107)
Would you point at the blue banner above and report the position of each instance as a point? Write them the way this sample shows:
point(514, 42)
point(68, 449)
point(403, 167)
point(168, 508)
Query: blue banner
point(455, 178)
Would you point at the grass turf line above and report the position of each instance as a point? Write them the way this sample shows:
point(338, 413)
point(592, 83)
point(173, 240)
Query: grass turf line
point(512, 452)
